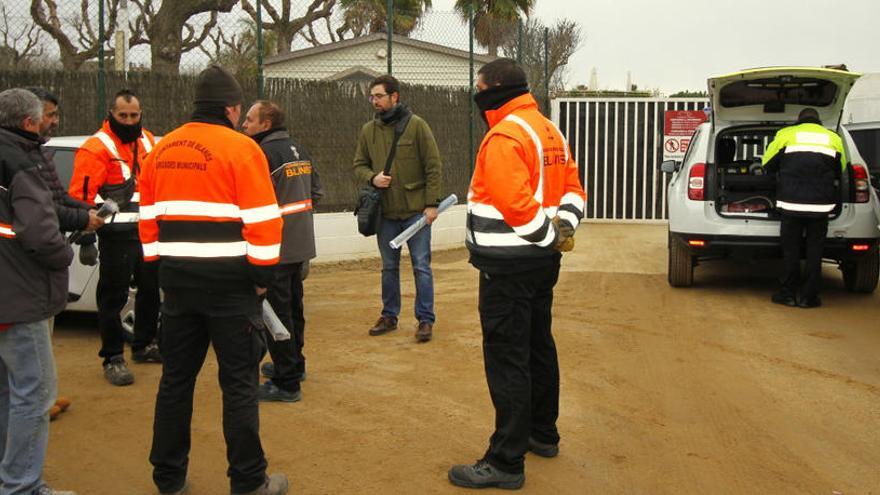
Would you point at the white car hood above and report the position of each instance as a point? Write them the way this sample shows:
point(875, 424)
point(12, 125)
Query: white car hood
point(778, 94)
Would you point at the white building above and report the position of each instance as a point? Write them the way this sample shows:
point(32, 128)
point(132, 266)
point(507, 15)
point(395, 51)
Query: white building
point(363, 58)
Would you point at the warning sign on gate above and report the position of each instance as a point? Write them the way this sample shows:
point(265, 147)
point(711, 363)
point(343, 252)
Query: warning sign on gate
point(677, 131)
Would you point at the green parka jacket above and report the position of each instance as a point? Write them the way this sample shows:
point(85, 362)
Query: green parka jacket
point(416, 174)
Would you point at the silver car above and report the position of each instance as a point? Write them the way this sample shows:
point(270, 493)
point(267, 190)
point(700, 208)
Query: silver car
point(723, 206)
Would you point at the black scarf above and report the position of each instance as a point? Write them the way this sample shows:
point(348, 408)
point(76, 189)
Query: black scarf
point(127, 133)
point(28, 135)
point(495, 97)
point(396, 113)
point(211, 114)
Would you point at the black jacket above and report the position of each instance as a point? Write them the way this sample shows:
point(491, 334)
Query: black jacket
point(73, 215)
point(34, 256)
point(297, 189)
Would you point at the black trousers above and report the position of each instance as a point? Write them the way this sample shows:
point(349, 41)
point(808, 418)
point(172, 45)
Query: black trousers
point(121, 265)
point(793, 232)
point(285, 294)
point(193, 320)
point(520, 360)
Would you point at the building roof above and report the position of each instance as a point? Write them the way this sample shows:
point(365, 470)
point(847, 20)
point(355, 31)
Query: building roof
point(397, 40)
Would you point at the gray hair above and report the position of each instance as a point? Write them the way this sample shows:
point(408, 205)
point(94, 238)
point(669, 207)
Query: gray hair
point(16, 104)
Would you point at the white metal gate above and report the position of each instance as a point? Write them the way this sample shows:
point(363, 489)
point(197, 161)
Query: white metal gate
point(618, 146)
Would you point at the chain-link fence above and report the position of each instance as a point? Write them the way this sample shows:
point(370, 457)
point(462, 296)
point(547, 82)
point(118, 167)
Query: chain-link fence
point(314, 57)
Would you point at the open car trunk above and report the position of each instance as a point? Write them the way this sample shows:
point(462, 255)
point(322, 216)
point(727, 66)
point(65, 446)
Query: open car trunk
point(739, 184)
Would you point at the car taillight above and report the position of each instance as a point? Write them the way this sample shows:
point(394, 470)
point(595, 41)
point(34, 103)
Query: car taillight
point(860, 247)
point(860, 172)
point(697, 182)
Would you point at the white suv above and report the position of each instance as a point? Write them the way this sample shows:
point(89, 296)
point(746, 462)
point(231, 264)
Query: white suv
point(721, 204)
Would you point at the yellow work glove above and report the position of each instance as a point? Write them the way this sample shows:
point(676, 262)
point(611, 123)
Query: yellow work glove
point(565, 242)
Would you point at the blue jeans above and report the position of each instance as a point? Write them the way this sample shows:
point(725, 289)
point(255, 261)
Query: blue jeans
point(27, 391)
point(420, 254)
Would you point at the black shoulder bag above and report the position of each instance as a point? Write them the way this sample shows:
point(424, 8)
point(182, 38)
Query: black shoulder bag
point(369, 207)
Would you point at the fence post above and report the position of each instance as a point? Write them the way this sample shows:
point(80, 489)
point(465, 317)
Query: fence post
point(519, 40)
point(471, 117)
point(260, 49)
point(547, 71)
point(389, 28)
point(101, 107)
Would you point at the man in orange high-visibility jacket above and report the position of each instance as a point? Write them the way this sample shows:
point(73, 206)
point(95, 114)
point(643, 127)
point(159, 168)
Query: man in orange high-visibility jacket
point(208, 212)
point(107, 167)
point(524, 203)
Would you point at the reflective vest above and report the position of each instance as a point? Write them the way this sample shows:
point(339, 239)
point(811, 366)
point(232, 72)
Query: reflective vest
point(809, 159)
point(104, 167)
point(208, 207)
point(524, 176)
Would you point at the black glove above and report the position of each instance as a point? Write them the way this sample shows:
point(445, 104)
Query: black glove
point(88, 254)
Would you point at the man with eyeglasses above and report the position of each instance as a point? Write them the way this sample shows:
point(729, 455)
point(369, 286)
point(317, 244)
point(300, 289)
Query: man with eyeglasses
point(107, 166)
point(412, 187)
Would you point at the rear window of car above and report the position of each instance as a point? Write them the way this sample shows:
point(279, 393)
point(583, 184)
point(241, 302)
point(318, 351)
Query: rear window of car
point(779, 92)
point(868, 143)
point(63, 159)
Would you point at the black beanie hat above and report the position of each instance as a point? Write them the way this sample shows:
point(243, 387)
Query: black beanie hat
point(216, 86)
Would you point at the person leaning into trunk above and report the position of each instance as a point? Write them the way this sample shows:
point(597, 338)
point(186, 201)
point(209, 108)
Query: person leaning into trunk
point(412, 188)
point(209, 219)
point(808, 160)
point(107, 166)
point(524, 203)
point(34, 257)
point(298, 189)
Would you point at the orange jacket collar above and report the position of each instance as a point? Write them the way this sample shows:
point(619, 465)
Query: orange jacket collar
point(518, 103)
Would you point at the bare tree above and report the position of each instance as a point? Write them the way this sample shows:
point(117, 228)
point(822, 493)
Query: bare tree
point(169, 30)
point(85, 42)
point(563, 41)
point(286, 24)
point(19, 47)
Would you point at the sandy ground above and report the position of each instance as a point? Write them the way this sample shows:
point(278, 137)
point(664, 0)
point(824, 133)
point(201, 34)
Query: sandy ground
point(706, 390)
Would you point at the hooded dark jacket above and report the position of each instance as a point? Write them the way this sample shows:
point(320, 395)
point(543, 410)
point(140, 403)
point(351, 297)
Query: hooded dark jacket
point(34, 256)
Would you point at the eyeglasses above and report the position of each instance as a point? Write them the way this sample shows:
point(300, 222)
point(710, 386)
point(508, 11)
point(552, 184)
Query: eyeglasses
point(377, 96)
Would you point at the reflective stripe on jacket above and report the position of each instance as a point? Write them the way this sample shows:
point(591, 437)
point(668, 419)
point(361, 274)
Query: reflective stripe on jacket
point(809, 159)
point(524, 176)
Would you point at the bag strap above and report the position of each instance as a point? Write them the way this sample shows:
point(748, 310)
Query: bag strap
point(399, 128)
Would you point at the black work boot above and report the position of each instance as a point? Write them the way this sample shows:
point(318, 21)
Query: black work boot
point(543, 449)
point(275, 485)
point(784, 298)
point(483, 475)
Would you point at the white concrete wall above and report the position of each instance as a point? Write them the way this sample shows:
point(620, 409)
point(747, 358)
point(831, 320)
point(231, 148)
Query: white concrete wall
point(337, 237)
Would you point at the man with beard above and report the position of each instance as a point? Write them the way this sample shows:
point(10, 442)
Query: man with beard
point(412, 187)
point(107, 166)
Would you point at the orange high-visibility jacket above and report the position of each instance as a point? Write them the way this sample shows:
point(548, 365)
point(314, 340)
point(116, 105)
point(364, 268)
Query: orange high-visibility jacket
point(104, 161)
point(208, 208)
point(524, 176)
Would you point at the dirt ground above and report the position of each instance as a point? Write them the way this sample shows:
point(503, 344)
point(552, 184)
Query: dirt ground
point(705, 390)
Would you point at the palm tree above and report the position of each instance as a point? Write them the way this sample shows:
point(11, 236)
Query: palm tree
point(371, 16)
point(494, 20)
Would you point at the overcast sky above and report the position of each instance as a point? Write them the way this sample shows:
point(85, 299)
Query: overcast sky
point(676, 44)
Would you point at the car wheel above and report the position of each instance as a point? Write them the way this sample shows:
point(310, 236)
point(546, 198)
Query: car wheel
point(861, 275)
point(127, 316)
point(680, 271)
